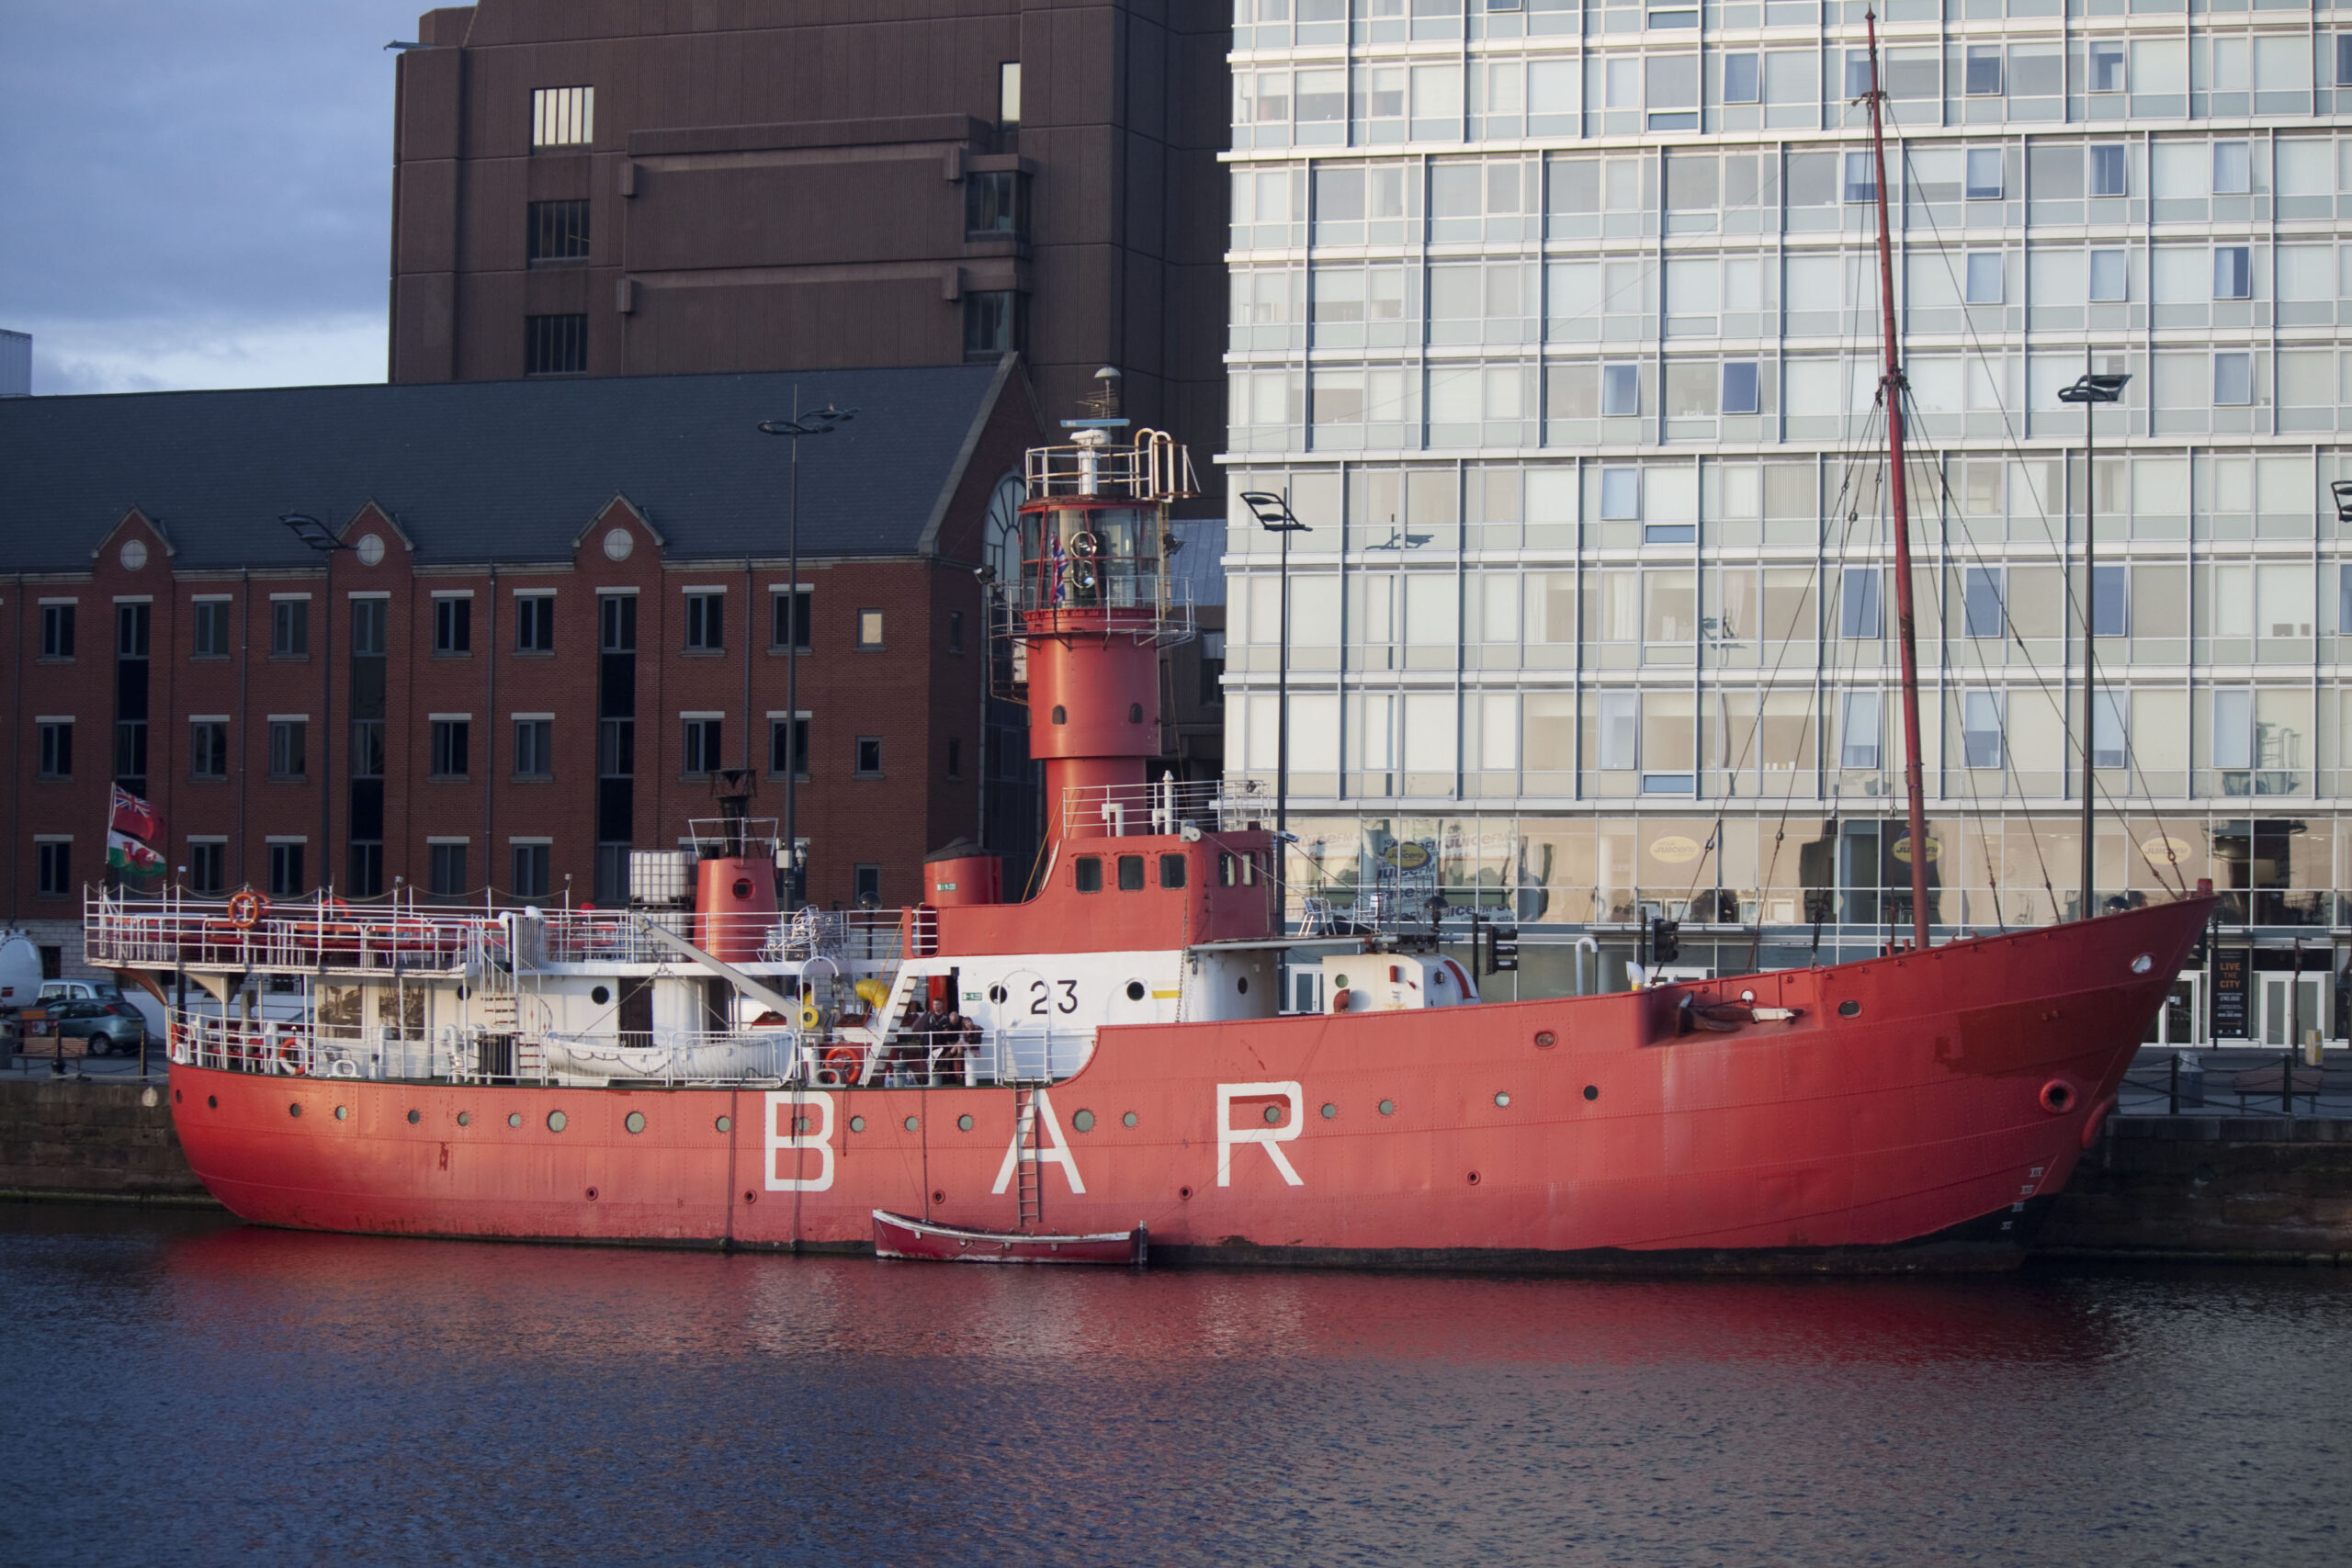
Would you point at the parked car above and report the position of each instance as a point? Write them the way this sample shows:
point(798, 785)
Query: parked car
point(114, 1028)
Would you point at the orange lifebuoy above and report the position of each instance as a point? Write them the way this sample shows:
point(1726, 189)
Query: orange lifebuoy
point(845, 1062)
point(291, 1054)
point(246, 907)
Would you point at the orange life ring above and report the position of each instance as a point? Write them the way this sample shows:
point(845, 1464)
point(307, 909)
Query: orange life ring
point(846, 1063)
point(291, 1054)
point(246, 907)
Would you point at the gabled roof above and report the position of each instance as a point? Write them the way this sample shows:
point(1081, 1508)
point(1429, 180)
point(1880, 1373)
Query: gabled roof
point(491, 470)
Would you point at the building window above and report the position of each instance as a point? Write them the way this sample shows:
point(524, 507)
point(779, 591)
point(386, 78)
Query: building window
point(2233, 168)
point(534, 747)
point(995, 205)
point(1983, 71)
point(1621, 495)
point(955, 758)
point(867, 882)
point(2109, 746)
point(1858, 614)
point(555, 345)
point(2109, 278)
point(289, 748)
point(211, 638)
point(453, 624)
point(787, 740)
point(1620, 730)
point(55, 738)
point(1861, 178)
point(208, 867)
point(285, 870)
point(289, 628)
point(1858, 74)
point(1984, 174)
point(1008, 94)
point(2232, 272)
point(1741, 385)
point(869, 628)
point(869, 756)
point(1980, 728)
point(557, 231)
point(208, 748)
point(367, 616)
point(1858, 736)
point(1212, 669)
point(451, 739)
point(2233, 380)
point(2109, 172)
point(530, 871)
point(1983, 278)
point(448, 870)
point(57, 631)
point(563, 117)
point(2344, 60)
point(2343, 586)
point(616, 623)
point(130, 626)
point(367, 748)
point(534, 623)
point(788, 613)
point(2107, 67)
point(701, 756)
point(992, 324)
point(130, 753)
point(955, 631)
point(1743, 82)
point(56, 868)
point(705, 623)
point(1981, 602)
point(2111, 601)
point(1621, 391)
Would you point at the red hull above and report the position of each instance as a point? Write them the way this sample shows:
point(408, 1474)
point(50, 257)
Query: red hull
point(895, 1235)
point(1909, 1116)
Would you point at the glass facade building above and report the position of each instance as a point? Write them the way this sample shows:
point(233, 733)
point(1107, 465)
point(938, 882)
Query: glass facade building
point(1559, 325)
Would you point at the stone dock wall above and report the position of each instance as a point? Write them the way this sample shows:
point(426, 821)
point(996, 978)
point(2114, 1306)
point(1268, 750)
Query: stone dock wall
point(61, 1138)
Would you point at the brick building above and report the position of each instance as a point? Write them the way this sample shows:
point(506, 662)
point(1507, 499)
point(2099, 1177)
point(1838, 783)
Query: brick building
point(554, 610)
point(761, 185)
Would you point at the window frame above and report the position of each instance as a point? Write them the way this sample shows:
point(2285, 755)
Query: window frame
point(57, 625)
point(804, 611)
point(289, 750)
point(451, 758)
point(871, 619)
point(705, 619)
point(289, 627)
point(54, 750)
point(208, 740)
point(534, 623)
point(537, 750)
point(453, 625)
point(702, 745)
point(866, 746)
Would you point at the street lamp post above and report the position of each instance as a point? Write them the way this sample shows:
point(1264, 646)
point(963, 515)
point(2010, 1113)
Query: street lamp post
point(2090, 390)
point(818, 423)
point(1273, 514)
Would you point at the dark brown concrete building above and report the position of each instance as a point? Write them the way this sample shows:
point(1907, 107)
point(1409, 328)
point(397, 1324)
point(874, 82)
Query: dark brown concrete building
point(557, 608)
point(616, 187)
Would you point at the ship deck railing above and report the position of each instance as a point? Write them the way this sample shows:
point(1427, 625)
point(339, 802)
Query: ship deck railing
point(910, 1058)
point(1207, 806)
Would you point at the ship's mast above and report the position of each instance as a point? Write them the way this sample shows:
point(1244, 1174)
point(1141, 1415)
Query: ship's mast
point(1890, 391)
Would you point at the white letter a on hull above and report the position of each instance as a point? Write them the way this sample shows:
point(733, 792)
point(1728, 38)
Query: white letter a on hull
point(1052, 1147)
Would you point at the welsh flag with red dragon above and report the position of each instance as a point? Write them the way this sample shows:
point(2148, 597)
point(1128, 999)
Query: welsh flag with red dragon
point(131, 826)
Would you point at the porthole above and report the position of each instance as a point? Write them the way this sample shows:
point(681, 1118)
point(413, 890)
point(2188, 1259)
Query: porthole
point(938, 1195)
point(1242, 985)
point(555, 1121)
point(1134, 990)
point(592, 1195)
point(963, 1123)
point(725, 1124)
point(912, 1122)
point(1186, 1194)
point(1474, 1178)
point(1061, 713)
point(634, 1121)
point(601, 994)
point(514, 1118)
point(2142, 964)
point(1273, 1115)
point(177, 1097)
point(1339, 982)
point(294, 1110)
point(415, 1117)
point(1850, 1009)
point(1330, 1113)
point(856, 1124)
point(800, 1125)
point(343, 1113)
point(996, 993)
point(1083, 1121)
point(1592, 1091)
point(465, 1118)
point(1135, 713)
point(1545, 1040)
point(1502, 1099)
point(212, 1102)
point(1128, 1120)
point(1388, 1108)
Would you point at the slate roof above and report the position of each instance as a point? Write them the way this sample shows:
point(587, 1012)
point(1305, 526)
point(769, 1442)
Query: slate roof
point(495, 470)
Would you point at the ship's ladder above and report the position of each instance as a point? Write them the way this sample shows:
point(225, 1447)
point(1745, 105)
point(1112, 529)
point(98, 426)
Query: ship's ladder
point(1029, 1176)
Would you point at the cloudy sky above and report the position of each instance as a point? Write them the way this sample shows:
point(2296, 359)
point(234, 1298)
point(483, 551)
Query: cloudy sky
point(197, 193)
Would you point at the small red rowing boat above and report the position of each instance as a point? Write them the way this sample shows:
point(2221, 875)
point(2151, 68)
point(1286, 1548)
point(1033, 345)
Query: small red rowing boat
point(895, 1235)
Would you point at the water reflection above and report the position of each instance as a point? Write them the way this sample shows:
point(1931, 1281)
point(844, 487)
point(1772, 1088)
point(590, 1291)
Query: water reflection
point(291, 1395)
